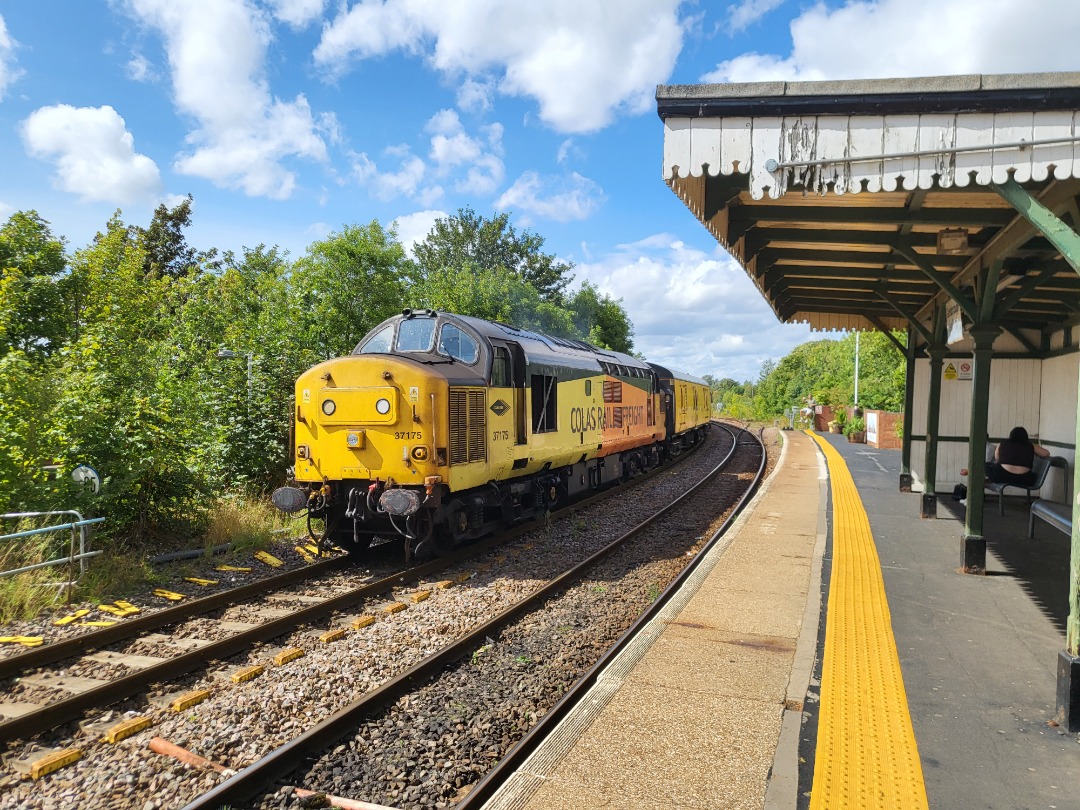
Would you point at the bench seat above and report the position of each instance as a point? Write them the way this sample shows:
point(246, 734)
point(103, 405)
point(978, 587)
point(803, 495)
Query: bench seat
point(1058, 515)
point(1041, 467)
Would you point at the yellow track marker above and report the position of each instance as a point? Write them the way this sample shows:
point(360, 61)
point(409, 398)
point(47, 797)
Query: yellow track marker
point(394, 607)
point(189, 699)
point(113, 610)
point(332, 635)
point(443, 584)
point(78, 614)
point(285, 656)
point(233, 568)
point(26, 641)
point(305, 554)
point(464, 577)
point(363, 621)
point(420, 596)
point(866, 755)
point(98, 623)
point(247, 673)
point(128, 728)
point(201, 581)
point(269, 559)
point(54, 762)
point(312, 548)
point(127, 607)
point(170, 595)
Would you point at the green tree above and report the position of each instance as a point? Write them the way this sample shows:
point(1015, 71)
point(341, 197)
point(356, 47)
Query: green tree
point(601, 320)
point(166, 249)
point(32, 280)
point(345, 284)
point(467, 239)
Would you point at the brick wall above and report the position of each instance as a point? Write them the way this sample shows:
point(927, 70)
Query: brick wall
point(886, 434)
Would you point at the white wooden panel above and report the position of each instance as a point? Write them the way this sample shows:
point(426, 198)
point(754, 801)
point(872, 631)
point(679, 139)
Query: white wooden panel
point(1058, 421)
point(1012, 128)
point(735, 145)
point(705, 141)
point(866, 138)
point(676, 147)
point(832, 142)
point(936, 132)
point(765, 145)
point(798, 144)
point(901, 135)
point(973, 130)
point(1059, 157)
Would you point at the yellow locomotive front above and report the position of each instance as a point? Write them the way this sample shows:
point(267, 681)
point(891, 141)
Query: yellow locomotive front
point(371, 434)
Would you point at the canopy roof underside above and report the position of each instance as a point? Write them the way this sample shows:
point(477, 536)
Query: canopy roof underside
point(834, 195)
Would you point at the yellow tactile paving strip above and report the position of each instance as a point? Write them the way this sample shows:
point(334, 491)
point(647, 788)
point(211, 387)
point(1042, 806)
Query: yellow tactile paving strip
point(866, 751)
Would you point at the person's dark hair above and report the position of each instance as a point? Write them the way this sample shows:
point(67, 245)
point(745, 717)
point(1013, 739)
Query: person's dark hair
point(1018, 434)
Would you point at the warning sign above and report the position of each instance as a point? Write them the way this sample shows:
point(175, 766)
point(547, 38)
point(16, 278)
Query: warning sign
point(950, 372)
point(963, 370)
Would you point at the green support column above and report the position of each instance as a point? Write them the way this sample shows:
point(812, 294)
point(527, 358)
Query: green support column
point(933, 410)
point(909, 398)
point(1067, 241)
point(973, 544)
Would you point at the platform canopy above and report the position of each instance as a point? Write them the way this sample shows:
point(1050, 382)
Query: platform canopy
point(866, 204)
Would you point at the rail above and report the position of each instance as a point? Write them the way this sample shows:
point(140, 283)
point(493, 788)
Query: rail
point(79, 535)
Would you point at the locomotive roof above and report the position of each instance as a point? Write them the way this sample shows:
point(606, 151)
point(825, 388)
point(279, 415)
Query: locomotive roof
point(682, 376)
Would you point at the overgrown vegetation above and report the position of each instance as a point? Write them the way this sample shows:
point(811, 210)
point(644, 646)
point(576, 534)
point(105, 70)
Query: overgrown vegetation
point(170, 370)
point(823, 370)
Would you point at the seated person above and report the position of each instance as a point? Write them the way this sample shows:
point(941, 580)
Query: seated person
point(1013, 460)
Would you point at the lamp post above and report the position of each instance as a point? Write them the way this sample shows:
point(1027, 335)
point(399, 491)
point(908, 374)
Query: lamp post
point(229, 353)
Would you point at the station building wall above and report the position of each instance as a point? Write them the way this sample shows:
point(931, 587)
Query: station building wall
point(1041, 395)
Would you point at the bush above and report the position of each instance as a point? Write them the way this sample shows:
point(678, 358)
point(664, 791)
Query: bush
point(854, 425)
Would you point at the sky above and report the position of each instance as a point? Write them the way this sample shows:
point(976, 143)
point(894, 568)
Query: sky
point(286, 120)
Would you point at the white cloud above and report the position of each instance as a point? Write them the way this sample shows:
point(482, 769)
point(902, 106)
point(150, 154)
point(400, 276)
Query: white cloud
point(217, 54)
point(582, 62)
point(139, 69)
point(562, 199)
point(388, 185)
point(93, 152)
point(9, 70)
point(891, 38)
point(452, 147)
point(475, 95)
point(692, 311)
point(413, 228)
point(743, 15)
point(297, 13)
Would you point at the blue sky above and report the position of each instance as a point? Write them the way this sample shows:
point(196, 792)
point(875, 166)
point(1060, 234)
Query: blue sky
point(286, 119)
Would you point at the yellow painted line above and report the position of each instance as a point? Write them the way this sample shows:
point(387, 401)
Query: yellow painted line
point(866, 752)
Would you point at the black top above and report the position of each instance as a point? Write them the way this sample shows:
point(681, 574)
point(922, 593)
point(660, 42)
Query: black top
point(1019, 454)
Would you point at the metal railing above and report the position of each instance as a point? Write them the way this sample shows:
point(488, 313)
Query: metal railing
point(79, 539)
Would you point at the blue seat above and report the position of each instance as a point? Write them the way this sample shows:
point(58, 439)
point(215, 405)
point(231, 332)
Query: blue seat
point(1040, 467)
point(1058, 515)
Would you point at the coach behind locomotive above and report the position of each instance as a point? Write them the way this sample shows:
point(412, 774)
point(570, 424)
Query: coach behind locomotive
point(442, 427)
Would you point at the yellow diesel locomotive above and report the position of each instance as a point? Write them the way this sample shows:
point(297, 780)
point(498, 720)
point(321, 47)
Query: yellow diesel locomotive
point(441, 428)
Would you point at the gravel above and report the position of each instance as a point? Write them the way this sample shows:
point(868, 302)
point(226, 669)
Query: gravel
point(467, 723)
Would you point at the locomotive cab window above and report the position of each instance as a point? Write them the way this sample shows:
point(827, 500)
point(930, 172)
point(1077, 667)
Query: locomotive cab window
point(416, 335)
point(544, 389)
point(500, 369)
point(455, 343)
point(380, 342)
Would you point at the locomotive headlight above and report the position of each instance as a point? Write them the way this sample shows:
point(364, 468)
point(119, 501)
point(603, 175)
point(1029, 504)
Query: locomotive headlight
point(420, 453)
point(328, 407)
point(383, 406)
point(353, 439)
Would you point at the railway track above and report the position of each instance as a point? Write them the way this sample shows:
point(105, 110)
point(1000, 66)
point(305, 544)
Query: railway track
point(428, 736)
point(144, 678)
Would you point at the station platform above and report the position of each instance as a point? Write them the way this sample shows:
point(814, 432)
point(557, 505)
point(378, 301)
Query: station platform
point(829, 654)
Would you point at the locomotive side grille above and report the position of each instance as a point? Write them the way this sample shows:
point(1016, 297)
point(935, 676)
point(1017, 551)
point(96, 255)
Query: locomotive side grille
point(477, 426)
point(468, 426)
point(459, 427)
